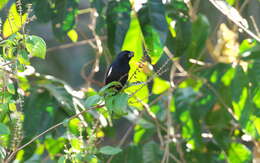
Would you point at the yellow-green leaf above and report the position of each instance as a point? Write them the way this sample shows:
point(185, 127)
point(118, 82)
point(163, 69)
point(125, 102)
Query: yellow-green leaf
point(73, 35)
point(160, 85)
point(14, 21)
point(3, 3)
point(133, 42)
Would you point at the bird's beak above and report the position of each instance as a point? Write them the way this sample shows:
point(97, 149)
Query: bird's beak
point(131, 54)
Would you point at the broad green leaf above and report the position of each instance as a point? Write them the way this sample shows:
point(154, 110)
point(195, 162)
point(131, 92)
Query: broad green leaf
point(3, 3)
point(231, 2)
point(199, 35)
point(254, 73)
point(109, 150)
point(249, 49)
point(139, 132)
point(53, 146)
point(62, 96)
point(62, 159)
point(109, 88)
point(160, 85)
point(10, 88)
point(37, 105)
point(117, 103)
point(228, 77)
point(92, 159)
point(121, 101)
point(73, 35)
point(64, 17)
point(154, 27)
point(118, 20)
point(14, 21)
point(151, 153)
point(23, 57)
point(177, 19)
point(130, 154)
point(256, 98)
point(133, 42)
point(239, 153)
point(240, 105)
point(237, 87)
point(43, 10)
point(4, 130)
point(92, 100)
point(74, 125)
point(36, 46)
point(188, 128)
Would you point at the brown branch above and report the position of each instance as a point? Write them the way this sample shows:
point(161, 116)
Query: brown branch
point(69, 45)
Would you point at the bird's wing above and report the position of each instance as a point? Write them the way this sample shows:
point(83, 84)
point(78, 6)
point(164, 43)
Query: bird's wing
point(108, 77)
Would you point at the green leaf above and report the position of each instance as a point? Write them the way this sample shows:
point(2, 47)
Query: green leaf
point(199, 35)
point(133, 41)
point(3, 3)
point(107, 88)
point(177, 14)
point(64, 17)
point(54, 146)
point(62, 159)
point(117, 103)
point(130, 154)
point(73, 35)
point(231, 2)
point(92, 100)
point(62, 96)
point(11, 89)
point(74, 125)
point(154, 27)
point(14, 22)
point(109, 150)
point(43, 10)
point(118, 20)
point(23, 57)
point(160, 85)
point(4, 130)
point(151, 153)
point(239, 153)
point(36, 46)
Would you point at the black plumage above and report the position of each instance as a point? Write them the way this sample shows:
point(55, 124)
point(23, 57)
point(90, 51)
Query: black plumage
point(119, 69)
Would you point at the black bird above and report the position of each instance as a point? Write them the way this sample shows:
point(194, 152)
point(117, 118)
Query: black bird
point(118, 70)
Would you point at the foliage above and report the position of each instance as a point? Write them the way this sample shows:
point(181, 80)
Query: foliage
point(189, 99)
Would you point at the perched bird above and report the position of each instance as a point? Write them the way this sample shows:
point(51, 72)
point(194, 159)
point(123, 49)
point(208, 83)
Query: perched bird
point(118, 70)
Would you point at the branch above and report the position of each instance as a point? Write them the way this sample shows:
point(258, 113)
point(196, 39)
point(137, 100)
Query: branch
point(10, 157)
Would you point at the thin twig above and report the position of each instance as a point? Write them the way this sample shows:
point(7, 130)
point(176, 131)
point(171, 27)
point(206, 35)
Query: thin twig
point(10, 157)
point(69, 45)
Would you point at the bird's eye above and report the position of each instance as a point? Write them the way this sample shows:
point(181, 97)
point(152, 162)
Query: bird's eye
point(130, 55)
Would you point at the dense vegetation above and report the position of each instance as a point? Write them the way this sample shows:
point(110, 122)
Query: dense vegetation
point(193, 93)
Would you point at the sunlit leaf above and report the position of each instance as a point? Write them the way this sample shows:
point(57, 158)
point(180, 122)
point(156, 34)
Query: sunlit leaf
point(160, 85)
point(14, 21)
point(36, 46)
point(109, 150)
point(3, 3)
point(239, 153)
point(73, 35)
point(54, 146)
point(133, 42)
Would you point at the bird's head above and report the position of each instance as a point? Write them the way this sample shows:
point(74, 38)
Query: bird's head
point(125, 56)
